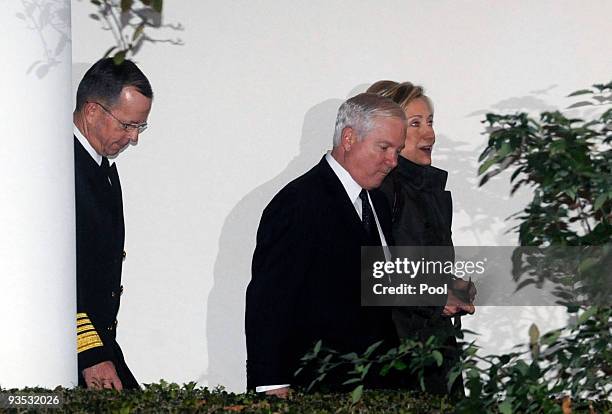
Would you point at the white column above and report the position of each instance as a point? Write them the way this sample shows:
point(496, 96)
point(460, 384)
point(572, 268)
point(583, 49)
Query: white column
point(37, 225)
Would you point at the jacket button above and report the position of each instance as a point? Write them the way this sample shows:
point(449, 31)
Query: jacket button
point(123, 255)
point(113, 294)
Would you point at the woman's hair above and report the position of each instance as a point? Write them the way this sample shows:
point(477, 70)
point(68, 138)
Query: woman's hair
point(400, 93)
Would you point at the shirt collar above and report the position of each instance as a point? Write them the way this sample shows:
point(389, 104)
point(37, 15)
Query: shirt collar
point(350, 186)
point(85, 143)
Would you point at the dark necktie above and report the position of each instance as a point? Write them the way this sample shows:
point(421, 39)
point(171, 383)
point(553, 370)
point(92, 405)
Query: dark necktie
point(105, 168)
point(368, 221)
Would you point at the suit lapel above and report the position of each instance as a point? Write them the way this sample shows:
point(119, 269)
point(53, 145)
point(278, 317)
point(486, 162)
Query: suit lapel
point(334, 189)
point(338, 199)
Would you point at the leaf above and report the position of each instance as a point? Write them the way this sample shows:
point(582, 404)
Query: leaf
point(505, 149)
point(599, 201)
point(587, 314)
point(534, 334)
point(356, 394)
point(524, 283)
point(119, 57)
point(350, 356)
point(455, 373)
point(96, 2)
point(94, 16)
point(516, 173)
point(317, 346)
point(372, 348)
point(438, 357)
point(486, 165)
point(400, 365)
point(351, 381)
point(580, 92)
point(586, 264)
point(505, 407)
point(579, 104)
point(551, 337)
point(20, 16)
point(138, 31)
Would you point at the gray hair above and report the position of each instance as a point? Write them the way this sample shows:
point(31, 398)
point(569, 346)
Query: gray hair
point(360, 111)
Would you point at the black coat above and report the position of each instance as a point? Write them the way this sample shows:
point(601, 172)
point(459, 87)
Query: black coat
point(422, 213)
point(305, 282)
point(100, 237)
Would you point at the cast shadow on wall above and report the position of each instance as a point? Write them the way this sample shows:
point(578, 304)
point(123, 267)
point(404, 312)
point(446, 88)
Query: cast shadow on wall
point(488, 207)
point(232, 271)
point(51, 21)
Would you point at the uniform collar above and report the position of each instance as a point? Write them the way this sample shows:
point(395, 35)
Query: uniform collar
point(85, 143)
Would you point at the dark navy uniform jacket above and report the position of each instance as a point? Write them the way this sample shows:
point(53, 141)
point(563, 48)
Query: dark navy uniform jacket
point(100, 235)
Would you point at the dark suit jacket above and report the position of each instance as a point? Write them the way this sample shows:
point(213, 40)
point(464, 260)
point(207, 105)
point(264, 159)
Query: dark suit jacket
point(305, 282)
point(99, 254)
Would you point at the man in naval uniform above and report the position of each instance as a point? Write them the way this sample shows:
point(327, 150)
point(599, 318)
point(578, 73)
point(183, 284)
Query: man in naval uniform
point(112, 106)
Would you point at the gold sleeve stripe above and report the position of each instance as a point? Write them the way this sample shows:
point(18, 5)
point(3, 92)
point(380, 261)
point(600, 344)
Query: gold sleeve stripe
point(81, 315)
point(86, 335)
point(88, 340)
point(88, 327)
point(83, 322)
point(92, 344)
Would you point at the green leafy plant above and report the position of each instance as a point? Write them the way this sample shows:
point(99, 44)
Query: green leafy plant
point(568, 164)
point(411, 356)
point(164, 397)
point(573, 361)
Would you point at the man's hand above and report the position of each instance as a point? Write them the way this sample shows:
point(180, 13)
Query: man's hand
point(279, 392)
point(460, 299)
point(102, 375)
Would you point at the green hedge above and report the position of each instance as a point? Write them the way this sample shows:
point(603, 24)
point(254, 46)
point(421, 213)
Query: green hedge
point(164, 397)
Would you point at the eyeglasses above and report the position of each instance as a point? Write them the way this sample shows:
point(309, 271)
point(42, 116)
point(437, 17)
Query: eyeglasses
point(125, 125)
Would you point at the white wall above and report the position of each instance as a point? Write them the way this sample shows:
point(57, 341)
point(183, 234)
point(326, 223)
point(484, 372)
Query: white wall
point(248, 103)
point(37, 243)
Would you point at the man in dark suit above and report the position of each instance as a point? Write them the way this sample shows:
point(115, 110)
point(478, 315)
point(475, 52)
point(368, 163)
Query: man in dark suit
point(305, 282)
point(113, 103)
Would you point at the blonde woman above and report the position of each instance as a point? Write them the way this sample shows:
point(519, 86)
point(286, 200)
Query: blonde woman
point(422, 216)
